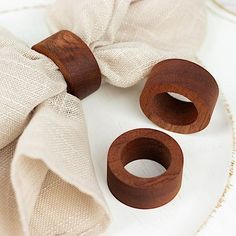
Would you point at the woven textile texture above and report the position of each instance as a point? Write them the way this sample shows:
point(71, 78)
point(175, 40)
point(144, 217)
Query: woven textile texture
point(128, 37)
point(47, 181)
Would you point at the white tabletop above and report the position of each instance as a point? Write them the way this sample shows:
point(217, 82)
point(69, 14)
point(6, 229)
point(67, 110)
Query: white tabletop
point(220, 59)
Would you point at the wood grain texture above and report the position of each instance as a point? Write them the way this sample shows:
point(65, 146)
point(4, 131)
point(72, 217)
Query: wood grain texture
point(185, 78)
point(75, 61)
point(144, 193)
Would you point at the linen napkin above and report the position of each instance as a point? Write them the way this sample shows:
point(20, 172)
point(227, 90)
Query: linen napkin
point(47, 181)
point(128, 37)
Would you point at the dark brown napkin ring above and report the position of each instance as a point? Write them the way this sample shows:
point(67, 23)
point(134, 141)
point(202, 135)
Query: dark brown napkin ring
point(75, 61)
point(185, 78)
point(140, 192)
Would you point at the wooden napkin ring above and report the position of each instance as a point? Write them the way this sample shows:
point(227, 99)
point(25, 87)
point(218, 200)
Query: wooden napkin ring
point(185, 78)
point(144, 193)
point(75, 61)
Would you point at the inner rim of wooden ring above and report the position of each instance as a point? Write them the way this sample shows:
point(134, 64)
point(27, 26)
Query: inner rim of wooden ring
point(146, 148)
point(174, 111)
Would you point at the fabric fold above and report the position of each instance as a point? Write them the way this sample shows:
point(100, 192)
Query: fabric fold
point(53, 152)
point(47, 180)
point(129, 37)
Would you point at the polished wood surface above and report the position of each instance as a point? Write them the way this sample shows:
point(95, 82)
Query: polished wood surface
point(185, 78)
point(75, 61)
point(144, 193)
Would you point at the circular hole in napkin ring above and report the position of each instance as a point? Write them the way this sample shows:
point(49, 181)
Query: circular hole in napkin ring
point(144, 193)
point(145, 168)
point(75, 61)
point(187, 79)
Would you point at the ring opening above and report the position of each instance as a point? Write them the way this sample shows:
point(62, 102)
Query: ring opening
point(179, 97)
point(175, 111)
point(146, 149)
point(145, 168)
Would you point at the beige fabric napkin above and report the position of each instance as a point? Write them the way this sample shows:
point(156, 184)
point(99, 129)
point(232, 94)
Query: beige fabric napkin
point(129, 36)
point(47, 181)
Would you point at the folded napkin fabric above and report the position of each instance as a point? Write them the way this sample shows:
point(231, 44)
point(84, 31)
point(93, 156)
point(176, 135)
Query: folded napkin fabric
point(47, 180)
point(128, 37)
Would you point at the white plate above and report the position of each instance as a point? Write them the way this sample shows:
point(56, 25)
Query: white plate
point(112, 111)
point(228, 6)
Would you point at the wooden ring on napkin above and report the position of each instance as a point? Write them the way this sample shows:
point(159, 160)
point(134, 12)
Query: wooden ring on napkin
point(144, 193)
point(185, 78)
point(75, 61)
